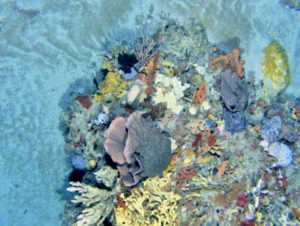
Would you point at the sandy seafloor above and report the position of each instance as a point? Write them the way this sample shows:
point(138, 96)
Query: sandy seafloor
point(45, 46)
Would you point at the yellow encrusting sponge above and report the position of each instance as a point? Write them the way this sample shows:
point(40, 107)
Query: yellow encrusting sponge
point(276, 66)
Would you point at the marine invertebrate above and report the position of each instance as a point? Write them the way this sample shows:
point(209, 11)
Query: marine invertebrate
point(297, 112)
point(120, 201)
point(98, 203)
point(151, 204)
point(110, 88)
point(84, 101)
point(185, 174)
point(211, 140)
point(108, 65)
point(138, 147)
point(79, 136)
point(186, 42)
point(80, 87)
point(199, 95)
point(229, 61)
point(213, 145)
point(234, 121)
point(233, 91)
point(242, 200)
point(197, 140)
point(271, 129)
point(126, 63)
point(106, 175)
point(276, 67)
point(78, 162)
point(169, 90)
point(150, 71)
point(222, 168)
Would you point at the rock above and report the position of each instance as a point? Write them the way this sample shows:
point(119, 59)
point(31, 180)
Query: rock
point(211, 124)
point(234, 121)
point(282, 152)
point(78, 162)
point(264, 144)
point(91, 164)
point(130, 75)
point(133, 93)
point(102, 119)
point(271, 129)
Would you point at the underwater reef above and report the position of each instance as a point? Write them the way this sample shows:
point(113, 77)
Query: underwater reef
point(176, 132)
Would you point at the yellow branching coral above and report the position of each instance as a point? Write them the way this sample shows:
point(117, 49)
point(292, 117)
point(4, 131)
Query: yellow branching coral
point(111, 88)
point(98, 203)
point(151, 205)
point(276, 66)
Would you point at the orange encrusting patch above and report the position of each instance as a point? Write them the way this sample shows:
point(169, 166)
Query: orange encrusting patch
point(200, 94)
point(84, 101)
point(223, 168)
point(230, 60)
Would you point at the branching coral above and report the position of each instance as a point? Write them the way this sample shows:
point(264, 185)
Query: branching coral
point(276, 66)
point(151, 205)
point(98, 203)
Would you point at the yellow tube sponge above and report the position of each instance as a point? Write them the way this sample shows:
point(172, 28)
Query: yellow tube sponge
point(276, 67)
point(112, 87)
point(151, 205)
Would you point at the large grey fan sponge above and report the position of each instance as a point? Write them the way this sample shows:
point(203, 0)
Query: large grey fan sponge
point(148, 144)
point(138, 147)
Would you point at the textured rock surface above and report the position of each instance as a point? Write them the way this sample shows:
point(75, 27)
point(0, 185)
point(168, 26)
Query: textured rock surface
point(282, 153)
point(271, 129)
point(234, 121)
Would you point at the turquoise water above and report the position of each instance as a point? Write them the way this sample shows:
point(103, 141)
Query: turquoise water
point(46, 46)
